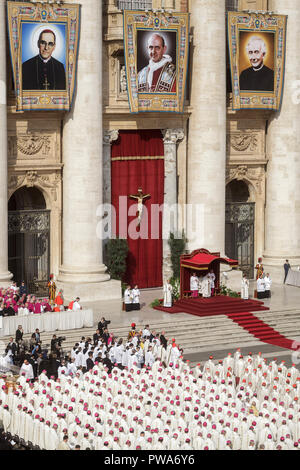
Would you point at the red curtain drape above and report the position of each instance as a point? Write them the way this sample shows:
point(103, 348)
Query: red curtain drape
point(144, 262)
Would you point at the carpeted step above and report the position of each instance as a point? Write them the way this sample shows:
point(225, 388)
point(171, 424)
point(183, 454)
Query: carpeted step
point(238, 311)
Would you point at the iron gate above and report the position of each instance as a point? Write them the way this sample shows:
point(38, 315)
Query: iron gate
point(29, 249)
point(240, 218)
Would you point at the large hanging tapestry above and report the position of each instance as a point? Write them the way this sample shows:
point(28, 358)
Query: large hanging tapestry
point(156, 53)
point(137, 167)
point(257, 58)
point(43, 42)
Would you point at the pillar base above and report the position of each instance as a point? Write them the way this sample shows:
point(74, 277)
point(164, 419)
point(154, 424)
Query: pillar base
point(274, 266)
point(90, 285)
point(5, 279)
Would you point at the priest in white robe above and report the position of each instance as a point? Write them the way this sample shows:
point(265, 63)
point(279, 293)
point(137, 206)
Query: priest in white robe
point(245, 288)
point(206, 289)
point(27, 370)
point(168, 290)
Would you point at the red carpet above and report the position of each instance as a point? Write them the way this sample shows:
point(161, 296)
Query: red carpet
point(238, 311)
point(220, 305)
point(261, 330)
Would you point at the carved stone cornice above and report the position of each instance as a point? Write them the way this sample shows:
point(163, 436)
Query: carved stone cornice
point(253, 175)
point(34, 178)
point(110, 136)
point(172, 136)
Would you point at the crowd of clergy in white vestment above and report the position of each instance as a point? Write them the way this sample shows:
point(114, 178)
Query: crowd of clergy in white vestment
point(239, 403)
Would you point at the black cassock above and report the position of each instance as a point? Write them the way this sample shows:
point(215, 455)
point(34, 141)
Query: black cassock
point(261, 80)
point(39, 75)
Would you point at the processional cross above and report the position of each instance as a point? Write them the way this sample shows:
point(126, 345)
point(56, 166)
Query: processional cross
point(140, 197)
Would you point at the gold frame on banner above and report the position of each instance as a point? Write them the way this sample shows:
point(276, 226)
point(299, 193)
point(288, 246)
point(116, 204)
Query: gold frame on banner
point(36, 16)
point(272, 30)
point(164, 23)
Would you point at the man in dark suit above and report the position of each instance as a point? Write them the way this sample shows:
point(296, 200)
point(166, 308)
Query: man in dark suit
point(96, 337)
point(105, 336)
point(12, 346)
point(102, 325)
point(286, 267)
point(19, 334)
point(89, 361)
point(163, 340)
point(43, 72)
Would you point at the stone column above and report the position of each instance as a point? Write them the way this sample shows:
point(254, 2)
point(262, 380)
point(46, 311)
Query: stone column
point(5, 276)
point(207, 127)
point(83, 272)
point(170, 218)
point(108, 138)
point(282, 216)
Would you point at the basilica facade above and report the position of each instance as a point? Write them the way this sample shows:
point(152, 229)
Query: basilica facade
point(58, 169)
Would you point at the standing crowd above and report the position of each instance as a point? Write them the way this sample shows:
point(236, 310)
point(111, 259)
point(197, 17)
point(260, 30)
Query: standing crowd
point(239, 403)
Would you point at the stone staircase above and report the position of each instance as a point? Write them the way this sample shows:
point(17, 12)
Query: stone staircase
point(194, 335)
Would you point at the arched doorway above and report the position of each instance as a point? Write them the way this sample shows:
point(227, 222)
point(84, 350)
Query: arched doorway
point(29, 239)
point(240, 220)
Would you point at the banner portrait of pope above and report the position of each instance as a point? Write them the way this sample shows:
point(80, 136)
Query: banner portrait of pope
point(156, 62)
point(43, 57)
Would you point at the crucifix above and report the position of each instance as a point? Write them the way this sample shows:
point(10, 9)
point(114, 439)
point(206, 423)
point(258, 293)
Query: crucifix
point(140, 197)
point(46, 84)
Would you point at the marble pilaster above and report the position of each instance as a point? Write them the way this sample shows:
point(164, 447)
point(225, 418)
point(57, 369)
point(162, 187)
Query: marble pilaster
point(282, 215)
point(83, 273)
point(170, 219)
point(207, 128)
point(109, 136)
point(5, 275)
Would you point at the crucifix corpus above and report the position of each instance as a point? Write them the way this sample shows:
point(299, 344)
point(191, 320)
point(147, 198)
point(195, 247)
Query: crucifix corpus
point(140, 197)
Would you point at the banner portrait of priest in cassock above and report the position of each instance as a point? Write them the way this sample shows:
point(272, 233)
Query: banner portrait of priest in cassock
point(159, 73)
point(258, 54)
point(43, 71)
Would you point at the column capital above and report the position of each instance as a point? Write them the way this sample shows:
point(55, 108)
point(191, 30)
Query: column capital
point(172, 136)
point(110, 136)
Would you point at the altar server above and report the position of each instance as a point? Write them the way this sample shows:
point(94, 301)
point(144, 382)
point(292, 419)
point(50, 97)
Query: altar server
point(136, 298)
point(128, 299)
point(260, 287)
point(194, 285)
point(268, 283)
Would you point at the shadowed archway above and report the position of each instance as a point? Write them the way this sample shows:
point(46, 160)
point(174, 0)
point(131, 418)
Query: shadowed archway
point(29, 239)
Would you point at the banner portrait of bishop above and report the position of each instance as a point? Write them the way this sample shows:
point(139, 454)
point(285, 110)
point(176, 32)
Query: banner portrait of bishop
point(44, 41)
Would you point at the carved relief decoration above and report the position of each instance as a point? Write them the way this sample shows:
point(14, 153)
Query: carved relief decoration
point(31, 145)
point(253, 175)
point(243, 142)
point(34, 178)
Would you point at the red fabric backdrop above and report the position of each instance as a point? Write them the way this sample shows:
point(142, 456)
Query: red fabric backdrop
point(145, 255)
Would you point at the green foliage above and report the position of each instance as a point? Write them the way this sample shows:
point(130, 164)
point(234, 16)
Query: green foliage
point(116, 251)
point(226, 291)
point(175, 283)
point(177, 247)
point(155, 303)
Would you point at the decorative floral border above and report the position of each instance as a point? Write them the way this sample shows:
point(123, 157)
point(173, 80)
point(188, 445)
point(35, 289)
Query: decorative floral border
point(19, 12)
point(259, 22)
point(155, 102)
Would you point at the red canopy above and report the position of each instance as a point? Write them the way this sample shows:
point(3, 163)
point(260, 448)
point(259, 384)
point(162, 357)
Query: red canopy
point(201, 260)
